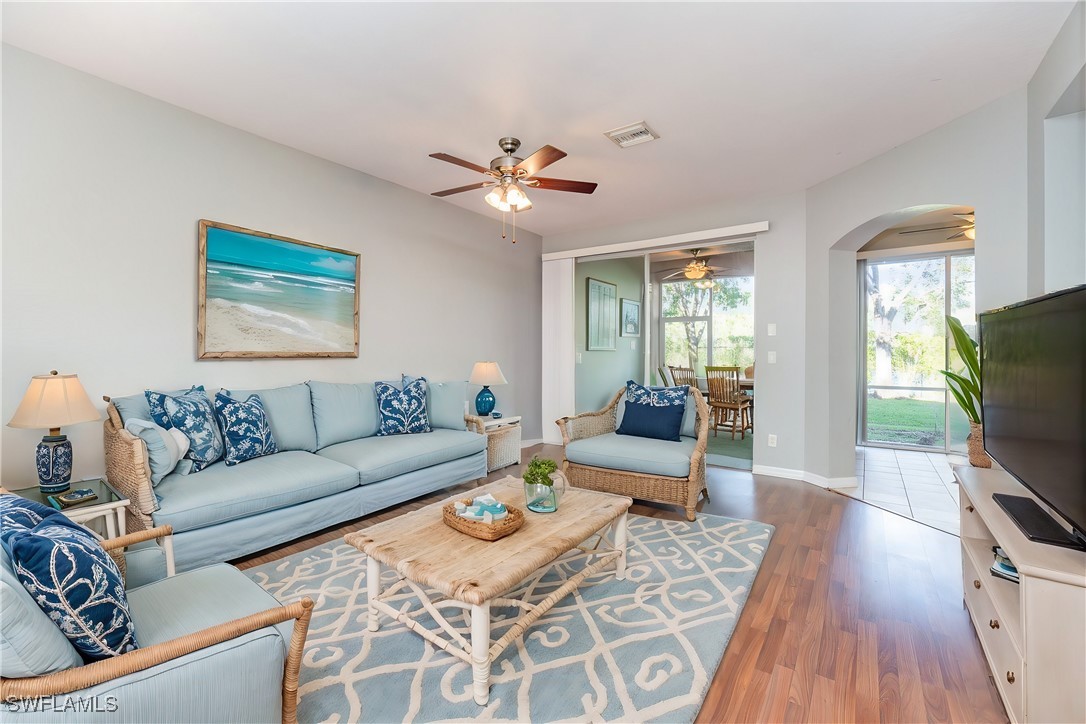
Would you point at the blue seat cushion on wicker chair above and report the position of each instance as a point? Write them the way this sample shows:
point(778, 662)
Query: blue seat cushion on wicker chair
point(634, 454)
point(74, 581)
point(227, 492)
point(380, 458)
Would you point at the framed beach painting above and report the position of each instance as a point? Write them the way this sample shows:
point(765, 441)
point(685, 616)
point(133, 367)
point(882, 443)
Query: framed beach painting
point(602, 306)
point(630, 314)
point(268, 296)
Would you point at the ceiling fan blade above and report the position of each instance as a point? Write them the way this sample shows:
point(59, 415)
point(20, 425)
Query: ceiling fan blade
point(959, 235)
point(539, 160)
point(675, 274)
point(935, 228)
point(561, 184)
point(459, 162)
point(460, 189)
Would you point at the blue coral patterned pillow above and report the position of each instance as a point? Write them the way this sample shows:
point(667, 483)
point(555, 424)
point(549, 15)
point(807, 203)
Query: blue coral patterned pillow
point(402, 411)
point(75, 582)
point(191, 413)
point(16, 512)
point(245, 428)
point(656, 396)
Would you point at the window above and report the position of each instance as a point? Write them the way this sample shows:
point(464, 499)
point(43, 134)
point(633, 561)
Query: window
point(713, 326)
point(906, 301)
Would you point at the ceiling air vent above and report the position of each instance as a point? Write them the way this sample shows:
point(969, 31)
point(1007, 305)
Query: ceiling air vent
point(632, 135)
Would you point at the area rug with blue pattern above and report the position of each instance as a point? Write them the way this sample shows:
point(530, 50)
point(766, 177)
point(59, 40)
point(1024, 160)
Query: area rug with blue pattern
point(642, 649)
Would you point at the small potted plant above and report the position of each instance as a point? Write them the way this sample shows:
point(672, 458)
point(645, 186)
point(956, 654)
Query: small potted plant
point(966, 390)
point(540, 492)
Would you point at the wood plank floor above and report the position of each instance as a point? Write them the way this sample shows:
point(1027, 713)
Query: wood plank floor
point(856, 614)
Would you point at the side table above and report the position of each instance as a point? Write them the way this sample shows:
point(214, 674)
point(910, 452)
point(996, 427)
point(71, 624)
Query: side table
point(502, 440)
point(110, 505)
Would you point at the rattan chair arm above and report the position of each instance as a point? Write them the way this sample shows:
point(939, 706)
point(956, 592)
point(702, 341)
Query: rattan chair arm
point(702, 426)
point(82, 677)
point(476, 422)
point(590, 424)
point(138, 537)
point(127, 469)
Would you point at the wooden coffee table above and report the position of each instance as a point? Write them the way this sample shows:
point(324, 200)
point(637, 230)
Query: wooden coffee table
point(472, 574)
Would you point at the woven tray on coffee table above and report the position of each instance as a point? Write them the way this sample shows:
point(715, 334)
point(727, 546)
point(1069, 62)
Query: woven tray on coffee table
point(478, 529)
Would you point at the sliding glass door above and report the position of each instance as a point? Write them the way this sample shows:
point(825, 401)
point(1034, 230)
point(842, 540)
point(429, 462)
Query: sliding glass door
point(708, 326)
point(905, 302)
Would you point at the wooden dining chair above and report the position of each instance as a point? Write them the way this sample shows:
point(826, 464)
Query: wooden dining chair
point(683, 376)
point(727, 401)
point(665, 376)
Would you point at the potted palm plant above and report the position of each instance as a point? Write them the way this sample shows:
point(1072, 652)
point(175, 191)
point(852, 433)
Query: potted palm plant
point(966, 390)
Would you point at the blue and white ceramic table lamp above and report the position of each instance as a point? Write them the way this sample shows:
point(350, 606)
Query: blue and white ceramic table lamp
point(51, 402)
point(486, 374)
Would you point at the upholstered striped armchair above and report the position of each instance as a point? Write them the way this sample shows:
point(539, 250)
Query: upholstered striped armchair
point(214, 646)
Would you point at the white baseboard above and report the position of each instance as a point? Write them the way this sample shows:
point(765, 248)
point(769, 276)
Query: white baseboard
point(812, 478)
point(529, 443)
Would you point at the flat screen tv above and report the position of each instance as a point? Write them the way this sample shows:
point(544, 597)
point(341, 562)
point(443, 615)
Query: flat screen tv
point(1033, 400)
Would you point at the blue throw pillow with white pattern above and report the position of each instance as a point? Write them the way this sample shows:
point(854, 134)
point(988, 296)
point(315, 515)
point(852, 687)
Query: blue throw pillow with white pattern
point(16, 512)
point(191, 413)
point(75, 582)
point(656, 396)
point(245, 428)
point(402, 411)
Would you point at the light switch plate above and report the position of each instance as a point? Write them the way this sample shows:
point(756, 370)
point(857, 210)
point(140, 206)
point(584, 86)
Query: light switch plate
point(771, 330)
point(578, 358)
point(771, 441)
point(772, 358)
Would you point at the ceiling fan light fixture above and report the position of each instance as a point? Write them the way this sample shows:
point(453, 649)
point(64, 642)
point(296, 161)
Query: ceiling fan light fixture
point(704, 283)
point(970, 233)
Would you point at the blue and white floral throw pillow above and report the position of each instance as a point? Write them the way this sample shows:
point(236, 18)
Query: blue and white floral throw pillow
point(75, 582)
point(17, 512)
point(402, 411)
point(656, 396)
point(245, 428)
point(191, 413)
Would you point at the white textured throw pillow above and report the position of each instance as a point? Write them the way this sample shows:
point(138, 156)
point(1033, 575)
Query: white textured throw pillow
point(165, 448)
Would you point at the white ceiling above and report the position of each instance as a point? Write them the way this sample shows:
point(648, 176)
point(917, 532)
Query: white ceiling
point(749, 98)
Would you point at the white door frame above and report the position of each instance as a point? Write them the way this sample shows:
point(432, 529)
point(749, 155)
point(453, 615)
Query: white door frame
point(559, 346)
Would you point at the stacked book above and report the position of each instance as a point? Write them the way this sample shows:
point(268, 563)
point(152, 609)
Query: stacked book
point(1002, 567)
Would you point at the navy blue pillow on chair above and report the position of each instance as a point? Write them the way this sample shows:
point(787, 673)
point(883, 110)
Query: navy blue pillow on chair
point(657, 422)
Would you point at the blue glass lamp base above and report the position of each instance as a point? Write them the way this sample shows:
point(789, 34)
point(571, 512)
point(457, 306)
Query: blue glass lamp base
point(484, 402)
point(53, 458)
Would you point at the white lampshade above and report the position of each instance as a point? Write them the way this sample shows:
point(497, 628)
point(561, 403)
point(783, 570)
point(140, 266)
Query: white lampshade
point(487, 374)
point(53, 401)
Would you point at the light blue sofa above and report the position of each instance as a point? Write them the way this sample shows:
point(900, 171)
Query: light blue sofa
point(332, 467)
point(244, 671)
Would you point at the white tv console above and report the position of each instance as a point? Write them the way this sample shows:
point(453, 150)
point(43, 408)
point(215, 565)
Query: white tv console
point(1034, 632)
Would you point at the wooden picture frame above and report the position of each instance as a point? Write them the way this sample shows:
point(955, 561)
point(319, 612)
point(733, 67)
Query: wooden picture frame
point(601, 306)
point(629, 318)
point(263, 296)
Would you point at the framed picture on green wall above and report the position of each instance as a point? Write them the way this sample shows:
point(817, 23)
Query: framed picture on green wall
point(602, 307)
point(630, 314)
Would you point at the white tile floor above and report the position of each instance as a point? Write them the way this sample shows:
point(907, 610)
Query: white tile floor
point(915, 484)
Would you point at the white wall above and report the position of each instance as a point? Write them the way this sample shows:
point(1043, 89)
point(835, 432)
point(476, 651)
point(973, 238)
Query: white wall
point(103, 188)
point(1065, 201)
point(1059, 69)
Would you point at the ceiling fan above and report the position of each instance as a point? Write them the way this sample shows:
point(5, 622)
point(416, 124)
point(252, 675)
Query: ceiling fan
point(698, 271)
point(967, 228)
point(508, 176)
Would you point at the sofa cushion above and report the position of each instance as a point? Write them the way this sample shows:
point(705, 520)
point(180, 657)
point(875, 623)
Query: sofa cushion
point(403, 410)
point(635, 454)
point(221, 492)
point(343, 412)
point(246, 432)
point(380, 458)
point(75, 582)
point(290, 413)
point(447, 406)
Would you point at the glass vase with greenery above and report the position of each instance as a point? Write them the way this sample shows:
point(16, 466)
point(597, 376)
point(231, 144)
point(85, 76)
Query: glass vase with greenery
point(966, 387)
point(540, 492)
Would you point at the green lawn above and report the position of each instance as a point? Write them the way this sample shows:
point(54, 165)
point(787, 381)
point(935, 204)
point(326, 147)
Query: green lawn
point(913, 422)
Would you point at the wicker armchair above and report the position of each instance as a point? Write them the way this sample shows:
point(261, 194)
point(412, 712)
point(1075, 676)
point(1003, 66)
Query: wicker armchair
point(684, 491)
point(136, 680)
